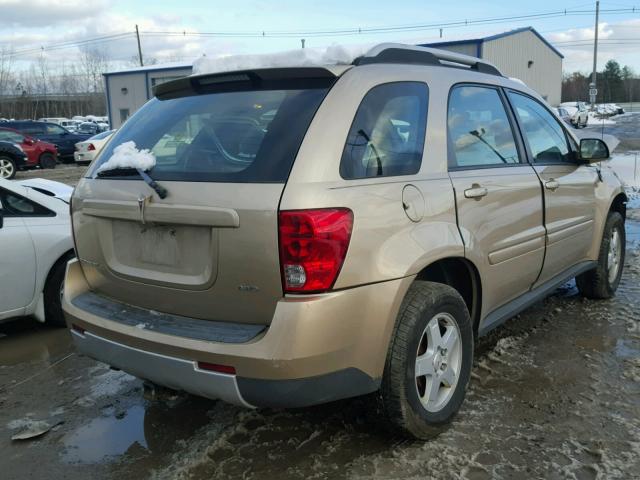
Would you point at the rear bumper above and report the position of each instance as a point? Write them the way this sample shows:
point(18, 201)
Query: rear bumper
point(171, 372)
point(83, 156)
point(318, 348)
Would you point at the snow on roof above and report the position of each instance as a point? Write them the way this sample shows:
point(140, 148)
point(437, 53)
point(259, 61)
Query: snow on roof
point(152, 68)
point(302, 57)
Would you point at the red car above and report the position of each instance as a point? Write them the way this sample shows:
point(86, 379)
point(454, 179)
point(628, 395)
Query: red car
point(38, 152)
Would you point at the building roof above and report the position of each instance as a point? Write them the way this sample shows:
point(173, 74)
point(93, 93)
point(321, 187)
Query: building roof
point(153, 68)
point(479, 41)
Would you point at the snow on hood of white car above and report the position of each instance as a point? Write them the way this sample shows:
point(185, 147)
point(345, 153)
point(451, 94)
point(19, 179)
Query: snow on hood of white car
point(301, 57)
point(48, 187)
point(126, 155)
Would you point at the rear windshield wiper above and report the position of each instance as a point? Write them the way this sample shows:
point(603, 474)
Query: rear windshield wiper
point(125, 172)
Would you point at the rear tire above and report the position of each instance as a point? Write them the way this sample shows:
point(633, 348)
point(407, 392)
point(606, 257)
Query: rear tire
point(602, 281)
point(53, 293)
point(434, 335)
point(7, 167)
point(47, 160)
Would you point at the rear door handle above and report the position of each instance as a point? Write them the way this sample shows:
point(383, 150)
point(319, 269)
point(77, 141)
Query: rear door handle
point(476, 191)
point(552, 184)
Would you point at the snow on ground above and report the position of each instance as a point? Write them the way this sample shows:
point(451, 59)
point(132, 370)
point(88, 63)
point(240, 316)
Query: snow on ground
point(593, 120)
point(127, 155)
point(627, 167)
point(302, 57)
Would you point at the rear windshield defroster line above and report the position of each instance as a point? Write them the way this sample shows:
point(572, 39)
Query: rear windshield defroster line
point(245, 136)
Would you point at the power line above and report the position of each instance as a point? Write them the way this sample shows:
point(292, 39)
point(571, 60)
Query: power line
point(323, 32)
point(392, 29)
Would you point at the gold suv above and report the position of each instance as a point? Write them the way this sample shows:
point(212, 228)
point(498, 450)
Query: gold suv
point(315, 233)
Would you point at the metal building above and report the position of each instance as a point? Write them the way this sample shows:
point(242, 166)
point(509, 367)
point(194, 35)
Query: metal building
point(522, 53)
point(127, 90)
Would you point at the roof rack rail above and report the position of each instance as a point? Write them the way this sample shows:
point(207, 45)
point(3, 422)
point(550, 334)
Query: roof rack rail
point(409, 54)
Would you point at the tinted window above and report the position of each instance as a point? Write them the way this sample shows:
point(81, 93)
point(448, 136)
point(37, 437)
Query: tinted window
point(7, 136)
point(544, 135)
point(33, 129)
point(53, 129)
point(238, 136)
point(14, 205)
point(479, 130)
point(387, 134)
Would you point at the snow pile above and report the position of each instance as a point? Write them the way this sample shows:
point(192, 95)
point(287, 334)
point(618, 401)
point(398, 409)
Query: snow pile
point(302, 57)
point(126, 155)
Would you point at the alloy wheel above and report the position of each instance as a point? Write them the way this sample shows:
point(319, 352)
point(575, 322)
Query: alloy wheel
point(438, 362)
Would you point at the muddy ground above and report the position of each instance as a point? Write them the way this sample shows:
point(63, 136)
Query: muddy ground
point(555, 394)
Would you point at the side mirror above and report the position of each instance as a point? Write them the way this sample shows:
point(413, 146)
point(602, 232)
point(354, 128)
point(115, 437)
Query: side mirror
point(29, 141)
point(593, 150)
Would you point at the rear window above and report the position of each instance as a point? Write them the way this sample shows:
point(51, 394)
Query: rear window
point(249, 136)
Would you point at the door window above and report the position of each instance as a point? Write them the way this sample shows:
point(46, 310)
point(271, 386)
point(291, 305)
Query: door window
point(543, 133)
point(480, 134)
point(387, 134)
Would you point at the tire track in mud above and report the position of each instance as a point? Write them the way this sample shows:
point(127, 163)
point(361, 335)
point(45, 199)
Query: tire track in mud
point(555, 394)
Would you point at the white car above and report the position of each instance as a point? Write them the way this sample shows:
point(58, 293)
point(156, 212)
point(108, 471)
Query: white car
point(579, 115)
point(87, 150)
point(36, 244)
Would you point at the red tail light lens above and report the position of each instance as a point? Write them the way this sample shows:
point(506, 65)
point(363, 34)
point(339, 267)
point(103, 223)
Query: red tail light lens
point(91, 147)
point(313, 246)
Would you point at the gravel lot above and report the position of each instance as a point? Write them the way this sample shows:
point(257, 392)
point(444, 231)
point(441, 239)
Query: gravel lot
point(555, 394)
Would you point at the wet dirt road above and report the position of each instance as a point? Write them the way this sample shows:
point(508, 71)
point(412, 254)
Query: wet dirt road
point(555, 393)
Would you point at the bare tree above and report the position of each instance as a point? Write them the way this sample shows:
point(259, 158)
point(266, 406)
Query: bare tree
point(93, 63)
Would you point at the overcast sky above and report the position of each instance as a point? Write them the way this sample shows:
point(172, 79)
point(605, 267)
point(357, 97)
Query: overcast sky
point(35, 23)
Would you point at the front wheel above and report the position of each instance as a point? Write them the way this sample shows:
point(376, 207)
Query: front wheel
point(7, 168)
point(602, 281)
point(429, 361)
point(47, 160)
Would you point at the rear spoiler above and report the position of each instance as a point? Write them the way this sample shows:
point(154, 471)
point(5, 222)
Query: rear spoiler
point(257, 79)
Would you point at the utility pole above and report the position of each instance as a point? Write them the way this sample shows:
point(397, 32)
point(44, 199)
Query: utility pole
point(139, 47)
point(593, 91)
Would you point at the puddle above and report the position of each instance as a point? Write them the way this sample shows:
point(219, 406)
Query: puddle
point(148, 429)
point(25, 340)
point(106, 437)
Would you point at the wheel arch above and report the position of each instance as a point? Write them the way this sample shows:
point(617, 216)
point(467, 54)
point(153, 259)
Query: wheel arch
point(463, 276)
point(619, 204)
point(64, 258)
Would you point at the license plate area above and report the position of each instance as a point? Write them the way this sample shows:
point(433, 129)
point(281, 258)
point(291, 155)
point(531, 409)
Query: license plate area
point(180, 256)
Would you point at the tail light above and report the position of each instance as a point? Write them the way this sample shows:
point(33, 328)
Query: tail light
point(313, 246)
point(91, 147)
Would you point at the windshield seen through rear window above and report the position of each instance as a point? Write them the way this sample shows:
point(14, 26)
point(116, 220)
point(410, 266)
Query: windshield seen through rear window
point(238, 136)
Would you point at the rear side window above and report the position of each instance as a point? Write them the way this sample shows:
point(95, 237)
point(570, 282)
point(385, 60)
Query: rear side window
point(14, 205)
point(33, 129)
point(249, 136)
point(387, 135)
point(544, 134)
point(480, 134)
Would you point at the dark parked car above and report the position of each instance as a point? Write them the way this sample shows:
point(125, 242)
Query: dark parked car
point(62, 138)
point(12, 159)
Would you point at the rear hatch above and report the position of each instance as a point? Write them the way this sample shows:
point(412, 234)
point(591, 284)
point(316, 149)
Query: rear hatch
point(224, 146)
